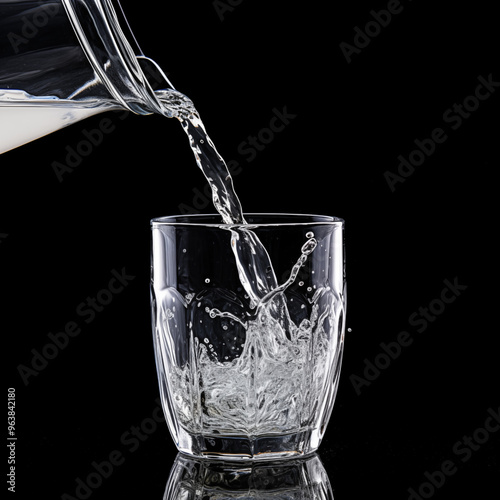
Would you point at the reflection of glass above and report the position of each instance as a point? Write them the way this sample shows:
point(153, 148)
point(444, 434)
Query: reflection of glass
point(297, 479)
point(249, 330)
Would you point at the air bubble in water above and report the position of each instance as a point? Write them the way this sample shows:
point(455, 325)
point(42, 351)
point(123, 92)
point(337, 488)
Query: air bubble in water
point(309, 246)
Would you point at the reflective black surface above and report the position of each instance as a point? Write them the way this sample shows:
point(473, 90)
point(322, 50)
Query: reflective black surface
point(297, 479)
point(416, 414)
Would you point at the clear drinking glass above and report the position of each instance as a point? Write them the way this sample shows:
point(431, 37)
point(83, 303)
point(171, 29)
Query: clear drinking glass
point(298, 479)
point(248, 325)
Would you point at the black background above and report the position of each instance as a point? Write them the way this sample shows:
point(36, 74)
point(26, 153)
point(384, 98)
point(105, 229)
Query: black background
point(61, 240)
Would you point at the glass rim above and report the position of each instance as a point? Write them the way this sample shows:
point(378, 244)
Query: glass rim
point(214, 220)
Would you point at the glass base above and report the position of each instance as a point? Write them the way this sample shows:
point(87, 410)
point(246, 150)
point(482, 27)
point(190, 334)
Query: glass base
point(237, 448)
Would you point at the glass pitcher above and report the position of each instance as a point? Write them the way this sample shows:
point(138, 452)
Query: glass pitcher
point(64, 60)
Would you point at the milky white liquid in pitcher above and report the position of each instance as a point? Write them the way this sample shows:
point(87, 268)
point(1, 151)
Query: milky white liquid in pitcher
point(20, 124)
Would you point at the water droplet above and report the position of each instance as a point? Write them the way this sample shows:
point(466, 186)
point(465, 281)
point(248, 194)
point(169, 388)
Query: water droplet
point(301, 283)
point(224, 327)
point(206, 340)
point(309, 246)
point(184, 250)
point(310, 234)
point(309, 289)
point(207, 280)
point(349, 329)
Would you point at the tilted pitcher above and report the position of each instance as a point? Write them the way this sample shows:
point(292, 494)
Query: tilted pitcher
point(64, 60)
